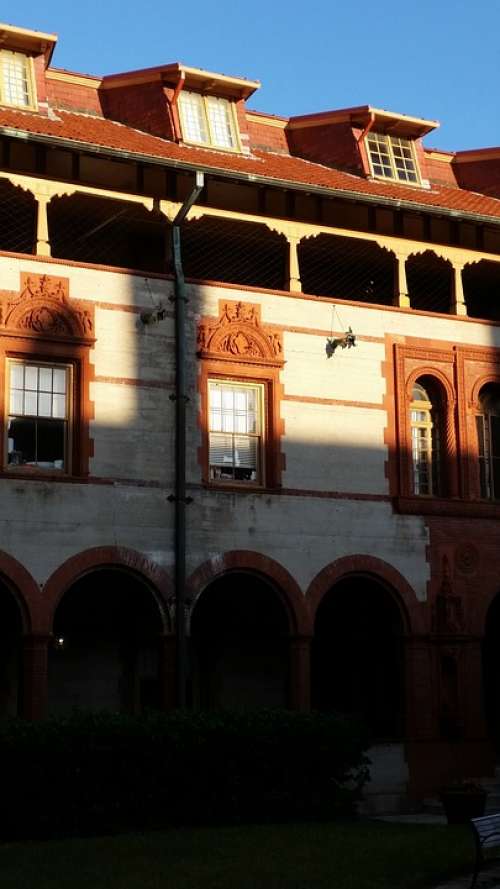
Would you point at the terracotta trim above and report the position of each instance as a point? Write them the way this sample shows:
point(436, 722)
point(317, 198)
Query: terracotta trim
point(129, 560)
point(309, 399)
point(412, 610)
point(73, 263)
point(125, 307)
point(25, 591)
point(270, 570)
point(42, 323)
point(238, 346)
point(130, 381)
point(288, 294)
point(289, 492)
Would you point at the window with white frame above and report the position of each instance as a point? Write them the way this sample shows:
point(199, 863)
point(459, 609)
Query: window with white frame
point(16, 81)
point(38, 422)
point(425, 443)
point(392, 157)
point(208, 120)
point(235, 431)
point(488, 434)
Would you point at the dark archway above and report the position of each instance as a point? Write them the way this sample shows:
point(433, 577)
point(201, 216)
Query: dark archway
point(11, 630)
point(106, 651)
point(491, 671)
point(240, 642)
point(357, 656)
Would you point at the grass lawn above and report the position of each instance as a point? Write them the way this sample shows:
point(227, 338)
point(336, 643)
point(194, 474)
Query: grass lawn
point(365, 855)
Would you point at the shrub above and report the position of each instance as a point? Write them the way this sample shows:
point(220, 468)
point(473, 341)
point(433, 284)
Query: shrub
point(102, 772)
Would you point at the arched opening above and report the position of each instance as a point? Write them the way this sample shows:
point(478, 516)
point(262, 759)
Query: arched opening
point(357, 655)
point(236, 252)
point(481, 282)
point(488, 441)
point(347, 268)
point(430, 282)
point(240, 643)
point(18, 211)
point(108, 232)
point(426, 422)
point(491, 671)
point(11, 629)
point(106, 649)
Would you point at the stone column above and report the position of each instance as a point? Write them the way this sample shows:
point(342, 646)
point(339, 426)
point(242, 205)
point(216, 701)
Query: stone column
point(300, 673)
point(167, 672)
point(293, 281)
point(35, 676)
point(450, 450)
point(401, 296)
point(458, 306)
point(42, 226)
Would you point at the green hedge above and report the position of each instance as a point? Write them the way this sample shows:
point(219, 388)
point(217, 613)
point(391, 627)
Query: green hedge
point(103, 772)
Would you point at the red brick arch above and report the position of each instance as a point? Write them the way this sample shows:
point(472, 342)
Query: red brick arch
point(25, 591)
point(412, 610)
point(119, 557)
point(256, 563)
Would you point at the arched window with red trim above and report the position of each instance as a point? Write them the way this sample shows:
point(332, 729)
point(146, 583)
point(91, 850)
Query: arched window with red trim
point(426, 438)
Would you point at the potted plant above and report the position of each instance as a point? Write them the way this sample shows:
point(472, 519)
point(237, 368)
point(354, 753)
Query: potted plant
point(462, 800)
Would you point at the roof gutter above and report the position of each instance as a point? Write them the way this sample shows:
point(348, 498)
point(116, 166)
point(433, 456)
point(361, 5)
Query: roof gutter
point(348, 195)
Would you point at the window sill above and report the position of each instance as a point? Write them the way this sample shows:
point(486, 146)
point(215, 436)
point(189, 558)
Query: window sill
point(440, 506)
point(241, 488)
point(43, 475)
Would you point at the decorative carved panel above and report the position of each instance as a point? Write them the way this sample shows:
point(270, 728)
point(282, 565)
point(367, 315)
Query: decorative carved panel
point(43, 308)
point(239, 335)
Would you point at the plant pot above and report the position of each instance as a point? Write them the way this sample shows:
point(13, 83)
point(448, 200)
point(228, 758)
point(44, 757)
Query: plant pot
point(462, 805)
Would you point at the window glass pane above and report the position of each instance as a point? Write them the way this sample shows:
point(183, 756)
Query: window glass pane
point(30, 403)
point(227, 399)
point(59, 379)
point(22, 441)
point(215, 395)
point(59, 406)
point(31, 377)
point(219, 114)
point(44, 404)
point(15, 79)
point(17, 376)
point(193, 118)
point(16, 402)
point(50, 444)
point(45, 379)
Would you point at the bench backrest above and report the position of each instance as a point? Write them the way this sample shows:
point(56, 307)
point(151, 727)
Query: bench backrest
point(487, 830)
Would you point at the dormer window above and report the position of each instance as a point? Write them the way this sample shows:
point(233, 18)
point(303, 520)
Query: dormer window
point(208, 120)
point(392, 158)
point(16, 81)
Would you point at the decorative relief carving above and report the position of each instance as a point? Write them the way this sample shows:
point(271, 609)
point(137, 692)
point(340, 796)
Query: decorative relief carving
point(449, 616)
point(467, 558)
point(239, 333)
point(42, 307)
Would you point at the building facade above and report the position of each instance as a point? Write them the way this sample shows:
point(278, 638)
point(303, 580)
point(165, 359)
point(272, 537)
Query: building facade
point(342, 513)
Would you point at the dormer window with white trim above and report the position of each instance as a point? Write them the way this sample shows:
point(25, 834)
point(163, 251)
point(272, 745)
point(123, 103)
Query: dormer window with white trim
point(392, 158)
point(208, 120)
point(16, 79)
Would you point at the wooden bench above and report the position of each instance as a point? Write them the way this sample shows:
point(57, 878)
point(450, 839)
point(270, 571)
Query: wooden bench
point(487, 836)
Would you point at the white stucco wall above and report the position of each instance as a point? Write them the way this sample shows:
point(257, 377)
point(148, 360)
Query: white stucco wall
point(329, 446)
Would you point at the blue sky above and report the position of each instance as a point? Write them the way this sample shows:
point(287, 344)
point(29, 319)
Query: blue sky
point(438, 60)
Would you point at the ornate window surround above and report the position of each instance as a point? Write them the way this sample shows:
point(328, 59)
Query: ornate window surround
point(238, 347)
point(461, 371)
point(41, 324)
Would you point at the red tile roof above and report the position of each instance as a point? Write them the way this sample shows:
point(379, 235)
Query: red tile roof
point(97, 131)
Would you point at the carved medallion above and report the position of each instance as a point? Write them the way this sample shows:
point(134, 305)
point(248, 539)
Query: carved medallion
point(466, 558)
point(239, 333)
point(43, 307)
